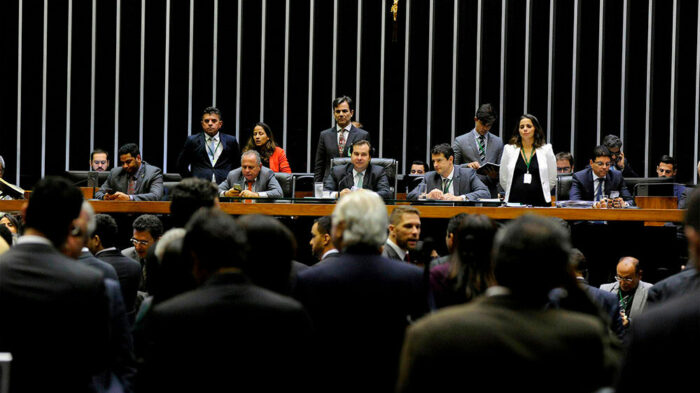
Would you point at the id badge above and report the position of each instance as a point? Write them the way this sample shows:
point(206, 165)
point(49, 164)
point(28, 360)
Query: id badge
point(527, 178)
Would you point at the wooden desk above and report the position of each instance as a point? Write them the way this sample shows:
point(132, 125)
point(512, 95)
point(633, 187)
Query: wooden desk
point(316, 210)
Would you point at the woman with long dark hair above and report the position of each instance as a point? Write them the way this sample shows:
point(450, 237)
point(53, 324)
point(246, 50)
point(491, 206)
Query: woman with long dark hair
point(263, 141)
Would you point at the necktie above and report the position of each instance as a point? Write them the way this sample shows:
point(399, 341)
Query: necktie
point(482, 148)
point(358, 183)
point(250, 185)
point(132, 185)
point(211, 150)
point(341, 142)
point(444, 185)
point(407, 257)
point(599, 191)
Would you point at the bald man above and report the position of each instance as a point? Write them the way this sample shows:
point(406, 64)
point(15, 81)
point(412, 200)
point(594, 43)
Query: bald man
point(629, 289)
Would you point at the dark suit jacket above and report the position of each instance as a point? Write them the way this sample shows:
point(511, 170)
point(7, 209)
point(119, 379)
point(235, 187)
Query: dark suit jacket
point(608, 303)
point(129, 273)
point(328, 148)
point(194, 159)
point(375, 179)
point(227, 335)
point(149, 186)
point(266, 182)
point(582, 187)
point(360, 305)
point(674, 286)
point(464, 180)
point(55, 317)
point(107, 270)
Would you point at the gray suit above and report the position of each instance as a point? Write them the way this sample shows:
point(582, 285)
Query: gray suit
point(265, 182)
point(390, 253)
point(149, 184)
point(466, 151)
point(464, 180)
point(640, 296)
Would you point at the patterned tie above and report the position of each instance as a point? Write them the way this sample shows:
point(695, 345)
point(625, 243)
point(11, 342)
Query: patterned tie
point(359, 180)
point(599, 191)
point(132, 186)
point(482, 148)
point(341, 142)
point(211, 150)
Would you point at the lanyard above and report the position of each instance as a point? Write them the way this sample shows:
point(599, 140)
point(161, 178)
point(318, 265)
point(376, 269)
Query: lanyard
point(213, 153)
point(528, 161)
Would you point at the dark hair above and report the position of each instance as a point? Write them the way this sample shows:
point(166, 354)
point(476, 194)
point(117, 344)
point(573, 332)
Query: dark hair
point(189, 195)
point(106, 228)
point(578, 262)
point(612, 141)
point(692, 215)
point(398, 212)
point(267, 150)
point(215, 239)
point(539, 132)
point(42, 212)
point(212, 110)
point(419, 162)
point(445, 149)
point(362, 142)
point(6, 235)
point(600, 151)
point(454, 222)
point(324, 225)
point(98, 151)
point(486, 114)
point(565, 155)
point(472, 255)
point(15, 220)
point(129, 148)
point(148, 223)
point(268, 267)
point(666, 159)
point(342, 99)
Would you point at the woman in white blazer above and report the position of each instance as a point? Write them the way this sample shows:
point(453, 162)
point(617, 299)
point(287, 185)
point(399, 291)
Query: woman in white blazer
point(528, 168)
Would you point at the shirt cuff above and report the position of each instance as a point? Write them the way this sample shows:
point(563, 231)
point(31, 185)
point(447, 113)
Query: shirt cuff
point(131, 197)
point(262, 194)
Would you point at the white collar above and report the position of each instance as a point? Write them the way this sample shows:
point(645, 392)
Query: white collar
point(34, 239)
point(345, 129)
point(215, 137)
point(402, 253)
point(450, 175)
point(329, 252)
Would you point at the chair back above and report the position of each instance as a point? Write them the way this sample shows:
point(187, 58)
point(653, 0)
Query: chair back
point(563, 187)
point(286, 181)
point(390, 166)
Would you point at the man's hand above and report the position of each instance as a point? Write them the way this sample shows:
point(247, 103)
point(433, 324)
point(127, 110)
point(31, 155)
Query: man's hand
point(620, 164)
point(625, 320)
point(117, 196)
point(345, 191)
point(474, 165)
point(249, 194)
point(435, 194)
point(231, 193)
point(450, 197)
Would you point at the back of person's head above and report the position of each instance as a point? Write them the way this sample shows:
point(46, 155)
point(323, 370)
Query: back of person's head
point(612, 141)
point(215, 240)
point(364, 218)
point(324, 225)
point(188, 196)
point(149, 223)
point(272, 248)
point(53, 205)
point(454, 222)
point(2, 166)
point(106, 228)
point(129, 148)
point(472, 255)
point(91, 221)
point(578, 262)
point(692, 215)
point(486, 114)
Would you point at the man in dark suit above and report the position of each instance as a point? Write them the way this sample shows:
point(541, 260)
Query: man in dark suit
point(134, 180)
point(103, 245)
point(254, 179)
point(359, 173)
point(228, 334)
point(55, 311)
point(404, 232)
point(336, 141)
point(361, 302)
point(321, 242)
point(619, 161)
point(210, 154)
point(449, 182)
point(147, 230)
point(607, 182)
point(479, 146)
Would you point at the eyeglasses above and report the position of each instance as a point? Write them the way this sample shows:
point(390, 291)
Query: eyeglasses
point(100, 162)
point(618, 278)
point(605, 164)
point(564, 169)
point(139, 242)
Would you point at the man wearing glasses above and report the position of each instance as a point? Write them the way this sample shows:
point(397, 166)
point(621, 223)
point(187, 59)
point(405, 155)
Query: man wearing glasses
point(597, 182)
point(629, 289)
point(147, 230)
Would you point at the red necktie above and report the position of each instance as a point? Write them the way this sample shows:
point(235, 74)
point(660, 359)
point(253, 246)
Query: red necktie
point(250, 186)
point(341, 142)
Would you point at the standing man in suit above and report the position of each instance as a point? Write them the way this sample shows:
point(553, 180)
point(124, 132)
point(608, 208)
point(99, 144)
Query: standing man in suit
point(321, 242)
point(479, 146)
point(606, 181)
point(336, 141)
point(360, 302)
point(449, 182)
point(254, 179)
point(210, 154)
point(55, 311)
point(359, 173)
point(404, 232)
point(134, 180)
point(629, 289)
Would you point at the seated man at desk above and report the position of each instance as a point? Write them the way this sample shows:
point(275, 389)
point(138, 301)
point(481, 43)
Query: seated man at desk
point(359, 173)
point(667, 168)
point(134, 180)
point(448, 182)
point(251, 180)
point(597, 181)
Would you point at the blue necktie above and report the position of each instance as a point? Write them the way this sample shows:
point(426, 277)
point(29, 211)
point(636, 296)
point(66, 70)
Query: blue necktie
point(599, 192)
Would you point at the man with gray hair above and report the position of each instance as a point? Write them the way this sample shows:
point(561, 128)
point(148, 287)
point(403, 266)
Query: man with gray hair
point(361, 302)
point(251, 180)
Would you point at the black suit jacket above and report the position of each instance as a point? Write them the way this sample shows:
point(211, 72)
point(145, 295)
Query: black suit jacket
point(328, 148)
point(149, 186)
point(464, 180)
point(375, 179)
point(55, 317)
point(107, 270)
point(582, 187)
point(129, 273)
point(674, 286)
point(194, 159)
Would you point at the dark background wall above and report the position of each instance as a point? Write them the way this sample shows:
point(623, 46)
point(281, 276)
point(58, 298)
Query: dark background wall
point(50, 122)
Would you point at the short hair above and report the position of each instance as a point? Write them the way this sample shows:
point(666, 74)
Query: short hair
point(91, 223)
point(666, 159)
point(578, 260)
point(324, 225)
point(612, 141)
point(635, 263)
point(419, 162)
point(342, 99)
point(211, 110)
point(215, 239)
point(362, 142)
point(565, 155)
point(189, 195)
point(129, 148)
point(692, 215)
point(486, 114)
point(399, 211)
point(98, 151)
point(538, 134)
point(531, 257)
point(445, 149)
point(42, 214)
point(364, 215)
point(454, 222)
point(600, 151)
point(148, 223)
point(255, 153)
point(106, 228)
